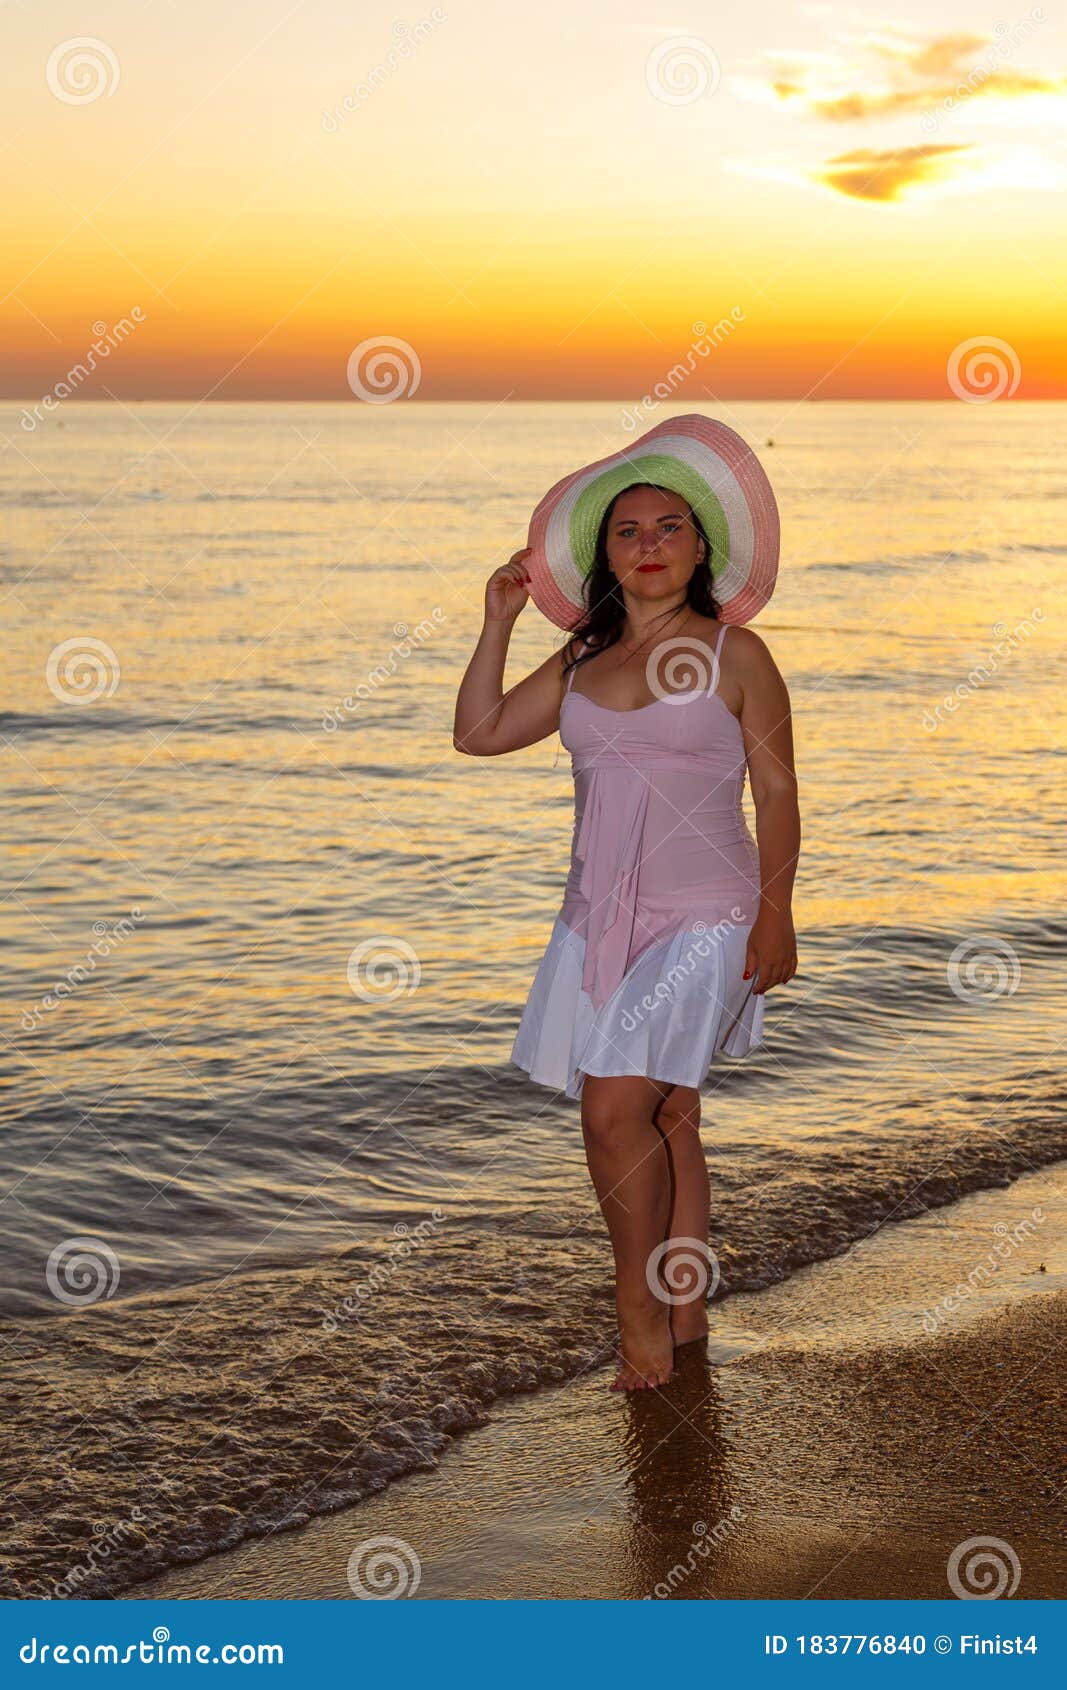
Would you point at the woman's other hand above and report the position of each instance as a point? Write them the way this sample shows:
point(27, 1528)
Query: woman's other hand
point(772, 950)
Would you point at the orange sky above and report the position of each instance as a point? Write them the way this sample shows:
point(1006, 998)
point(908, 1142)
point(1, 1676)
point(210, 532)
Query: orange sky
point(540, 206)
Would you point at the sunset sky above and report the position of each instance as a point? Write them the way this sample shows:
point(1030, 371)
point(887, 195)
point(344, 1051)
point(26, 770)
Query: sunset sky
point(535, 202)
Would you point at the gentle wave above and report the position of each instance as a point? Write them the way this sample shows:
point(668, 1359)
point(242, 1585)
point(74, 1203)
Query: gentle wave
point(304, 1403)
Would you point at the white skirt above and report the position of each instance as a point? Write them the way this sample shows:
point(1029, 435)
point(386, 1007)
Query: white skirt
point(681, 1002)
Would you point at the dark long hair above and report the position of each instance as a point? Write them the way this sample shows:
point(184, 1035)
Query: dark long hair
point(605, 614)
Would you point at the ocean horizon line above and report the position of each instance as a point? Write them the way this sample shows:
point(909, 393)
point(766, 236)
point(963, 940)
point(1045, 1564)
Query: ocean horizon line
point(343, 399)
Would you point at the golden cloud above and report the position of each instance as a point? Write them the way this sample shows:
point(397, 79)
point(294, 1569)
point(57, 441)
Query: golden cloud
point(934, 58)
point(867, 174)
point(1005, 84)
point(925, 74)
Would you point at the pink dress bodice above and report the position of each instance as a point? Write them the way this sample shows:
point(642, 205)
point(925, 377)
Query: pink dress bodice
point(660, 837)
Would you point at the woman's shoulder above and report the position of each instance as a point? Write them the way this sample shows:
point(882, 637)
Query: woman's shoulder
point(746, 643)
point(750, 663)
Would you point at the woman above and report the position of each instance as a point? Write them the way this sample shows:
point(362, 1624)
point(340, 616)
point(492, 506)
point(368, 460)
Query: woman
point(675, 923)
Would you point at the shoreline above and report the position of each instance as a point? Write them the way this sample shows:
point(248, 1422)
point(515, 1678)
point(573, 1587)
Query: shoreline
point(848, 1433)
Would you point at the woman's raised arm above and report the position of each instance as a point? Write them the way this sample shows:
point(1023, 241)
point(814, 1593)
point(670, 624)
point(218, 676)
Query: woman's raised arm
point(487, 721)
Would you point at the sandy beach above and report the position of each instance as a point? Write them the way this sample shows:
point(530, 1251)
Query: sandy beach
point(845, 1433)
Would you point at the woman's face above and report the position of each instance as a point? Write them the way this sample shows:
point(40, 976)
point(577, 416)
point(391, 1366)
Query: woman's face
point(652, 544)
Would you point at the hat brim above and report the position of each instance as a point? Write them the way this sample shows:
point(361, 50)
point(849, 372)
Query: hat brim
point(704, 461)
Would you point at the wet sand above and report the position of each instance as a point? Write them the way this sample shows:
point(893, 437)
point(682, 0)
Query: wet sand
point(841, 1436)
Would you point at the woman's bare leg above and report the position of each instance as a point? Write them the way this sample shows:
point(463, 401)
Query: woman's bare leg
point(678, 1119)
point(628, 1165)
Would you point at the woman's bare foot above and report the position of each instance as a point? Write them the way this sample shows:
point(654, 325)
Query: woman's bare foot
point(647, 1346)
point(689, 1321)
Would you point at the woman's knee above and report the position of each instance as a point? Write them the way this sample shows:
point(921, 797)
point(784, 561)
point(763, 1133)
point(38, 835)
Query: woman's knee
point(679, 1113)
point(614, 1107)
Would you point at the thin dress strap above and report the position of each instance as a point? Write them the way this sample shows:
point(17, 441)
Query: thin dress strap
point(570, 672)
point(714, 687)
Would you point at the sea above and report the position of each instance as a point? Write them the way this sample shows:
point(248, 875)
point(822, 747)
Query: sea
point(279, 1218)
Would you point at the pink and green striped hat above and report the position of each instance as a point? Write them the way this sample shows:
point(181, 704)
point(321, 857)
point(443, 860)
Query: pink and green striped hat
point(712, 468)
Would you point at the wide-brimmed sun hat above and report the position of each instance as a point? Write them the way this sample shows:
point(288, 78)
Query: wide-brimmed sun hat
point(712, 468)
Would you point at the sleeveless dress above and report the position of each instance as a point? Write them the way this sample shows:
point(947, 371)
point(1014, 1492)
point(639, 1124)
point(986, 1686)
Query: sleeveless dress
point(643, 969)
